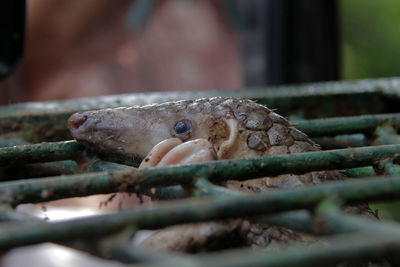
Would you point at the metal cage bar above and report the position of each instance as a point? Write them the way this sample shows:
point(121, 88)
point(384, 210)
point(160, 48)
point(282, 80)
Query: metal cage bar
point(309, 209)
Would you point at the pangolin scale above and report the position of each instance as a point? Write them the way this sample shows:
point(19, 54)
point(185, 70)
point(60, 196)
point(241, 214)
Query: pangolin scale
point(234, 128)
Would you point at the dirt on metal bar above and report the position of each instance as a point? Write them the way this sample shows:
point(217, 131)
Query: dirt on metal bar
point(339, 249)
point(45, 189)
point(46, 121)
point(369, 86)
point(19, 155)
point(200, 209)
point(346, 125)
point(34, 170)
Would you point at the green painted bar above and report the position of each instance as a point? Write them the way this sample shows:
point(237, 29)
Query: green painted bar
point(168, 192)
point(38, 170)
point(11, 140)
point(19, 118)
point(162, 214)
point(338, 223)
point(359, 172)
point(125, 252)
point(19, 155)
point(44, 189)
point(355, 247)
point(208, 188)
point(203, 187)
point(36, 127)
point(97, 165)
point(300, 220)
point(131, 180)
point(386, 134)
point(46, 121)
point(346, 125)
point(55, 126)
point(386, 86)
point(329, 221)
point(341, 141)
point(387, 167)
point(128, 253)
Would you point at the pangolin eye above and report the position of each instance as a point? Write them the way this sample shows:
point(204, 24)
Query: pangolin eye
point(183, 129)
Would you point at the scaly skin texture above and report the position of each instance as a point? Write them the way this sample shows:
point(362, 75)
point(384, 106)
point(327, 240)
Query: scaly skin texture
point(221, 128)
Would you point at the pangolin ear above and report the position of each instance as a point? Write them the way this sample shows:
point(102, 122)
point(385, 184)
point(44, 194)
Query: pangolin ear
point(229, 145)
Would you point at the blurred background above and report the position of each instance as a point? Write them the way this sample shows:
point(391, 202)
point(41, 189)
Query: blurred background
point(73, 48)
point(78, 48)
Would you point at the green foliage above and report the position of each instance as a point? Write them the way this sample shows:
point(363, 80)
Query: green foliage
point(370, 38)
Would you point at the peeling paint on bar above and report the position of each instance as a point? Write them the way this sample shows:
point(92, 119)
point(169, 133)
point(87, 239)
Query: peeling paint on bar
point(341, 141)
point(386, 86)
point(35, 170)
point(360, 172)
point(18, 155)
point(44, 189)
point(293, 208)
point(158, 215)
point(346, 125)
point(336, 250)
point(46, 121)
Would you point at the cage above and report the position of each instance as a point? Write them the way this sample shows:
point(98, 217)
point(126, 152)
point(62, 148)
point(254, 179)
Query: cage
point(355, 123)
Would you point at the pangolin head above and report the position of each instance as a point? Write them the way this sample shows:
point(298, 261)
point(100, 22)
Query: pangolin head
point(127, 134)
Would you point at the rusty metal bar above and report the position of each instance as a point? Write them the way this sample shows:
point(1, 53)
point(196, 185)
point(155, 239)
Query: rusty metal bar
point(346, 125)
point(359, 172)
point(387, 167)
point(386, 134)
point(341, 141)
point(119, 247)
point(339, 249)
point(46, 121)
point(314, 128)
point(44, 189)
point(11, 140)
point(199, 209)
point(203, 187)
point(373, 86)
point(224, 202)
point(18, 155)
point(301, 220)
point(331, 220)
point(39, 170)
point(96, 165)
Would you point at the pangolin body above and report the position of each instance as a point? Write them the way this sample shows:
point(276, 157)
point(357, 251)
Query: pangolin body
point(234, 128)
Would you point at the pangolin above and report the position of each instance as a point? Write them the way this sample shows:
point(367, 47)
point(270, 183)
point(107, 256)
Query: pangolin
point(201, 130)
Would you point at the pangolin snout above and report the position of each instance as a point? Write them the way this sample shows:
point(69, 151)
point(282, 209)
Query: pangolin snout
point(76, 120)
